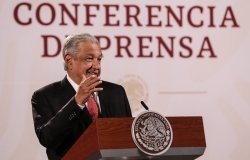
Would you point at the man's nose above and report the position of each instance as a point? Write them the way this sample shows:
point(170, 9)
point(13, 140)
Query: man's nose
point(96, 63)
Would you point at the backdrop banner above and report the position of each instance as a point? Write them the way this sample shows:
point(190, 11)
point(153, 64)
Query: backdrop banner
point(182, 58)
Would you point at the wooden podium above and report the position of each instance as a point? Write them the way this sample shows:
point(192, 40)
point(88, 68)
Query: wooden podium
point(110, 138)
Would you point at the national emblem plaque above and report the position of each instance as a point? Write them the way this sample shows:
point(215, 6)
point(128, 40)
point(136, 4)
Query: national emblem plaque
point(152, 133)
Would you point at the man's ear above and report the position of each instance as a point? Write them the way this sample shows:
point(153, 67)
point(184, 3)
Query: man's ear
point(67, 58)
point(68, 61)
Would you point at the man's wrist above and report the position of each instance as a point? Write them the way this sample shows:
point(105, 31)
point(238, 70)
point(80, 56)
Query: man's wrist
point(79, 104)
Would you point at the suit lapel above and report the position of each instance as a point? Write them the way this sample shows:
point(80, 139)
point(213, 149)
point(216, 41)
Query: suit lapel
point(103, 100)
point(67, 89)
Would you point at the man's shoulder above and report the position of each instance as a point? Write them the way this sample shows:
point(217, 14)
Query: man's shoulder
point(50, 87)
point(111, 86)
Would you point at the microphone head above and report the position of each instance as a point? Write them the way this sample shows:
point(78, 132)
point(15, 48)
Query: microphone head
point(144, 105)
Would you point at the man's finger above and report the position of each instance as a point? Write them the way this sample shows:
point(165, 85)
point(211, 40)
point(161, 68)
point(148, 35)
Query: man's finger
point(91, 80)
point(97, 89)
point(93, 87)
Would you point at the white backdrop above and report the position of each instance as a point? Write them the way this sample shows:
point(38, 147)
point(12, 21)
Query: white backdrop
point(212, 81)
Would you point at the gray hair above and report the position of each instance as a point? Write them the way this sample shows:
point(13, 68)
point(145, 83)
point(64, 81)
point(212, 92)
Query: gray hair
point(71, 43)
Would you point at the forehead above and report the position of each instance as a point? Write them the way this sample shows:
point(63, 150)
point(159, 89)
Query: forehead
point(88, 48)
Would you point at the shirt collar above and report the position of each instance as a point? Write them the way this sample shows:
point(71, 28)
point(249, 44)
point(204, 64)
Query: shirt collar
point(76, 86)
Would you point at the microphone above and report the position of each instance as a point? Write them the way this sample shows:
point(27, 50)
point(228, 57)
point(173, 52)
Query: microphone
point(144, 105)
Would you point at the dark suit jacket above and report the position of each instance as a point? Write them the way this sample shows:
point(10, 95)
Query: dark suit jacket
point(59, 121)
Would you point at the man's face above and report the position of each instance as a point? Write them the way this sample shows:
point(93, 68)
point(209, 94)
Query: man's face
point(86, 62)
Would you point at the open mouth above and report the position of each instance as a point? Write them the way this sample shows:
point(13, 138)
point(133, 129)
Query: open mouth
point(92, 73)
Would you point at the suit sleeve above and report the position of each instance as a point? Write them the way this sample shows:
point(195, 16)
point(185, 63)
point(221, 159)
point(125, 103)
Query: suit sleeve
point(51, 128)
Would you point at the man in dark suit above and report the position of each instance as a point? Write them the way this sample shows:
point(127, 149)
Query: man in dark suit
point(62, 111)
